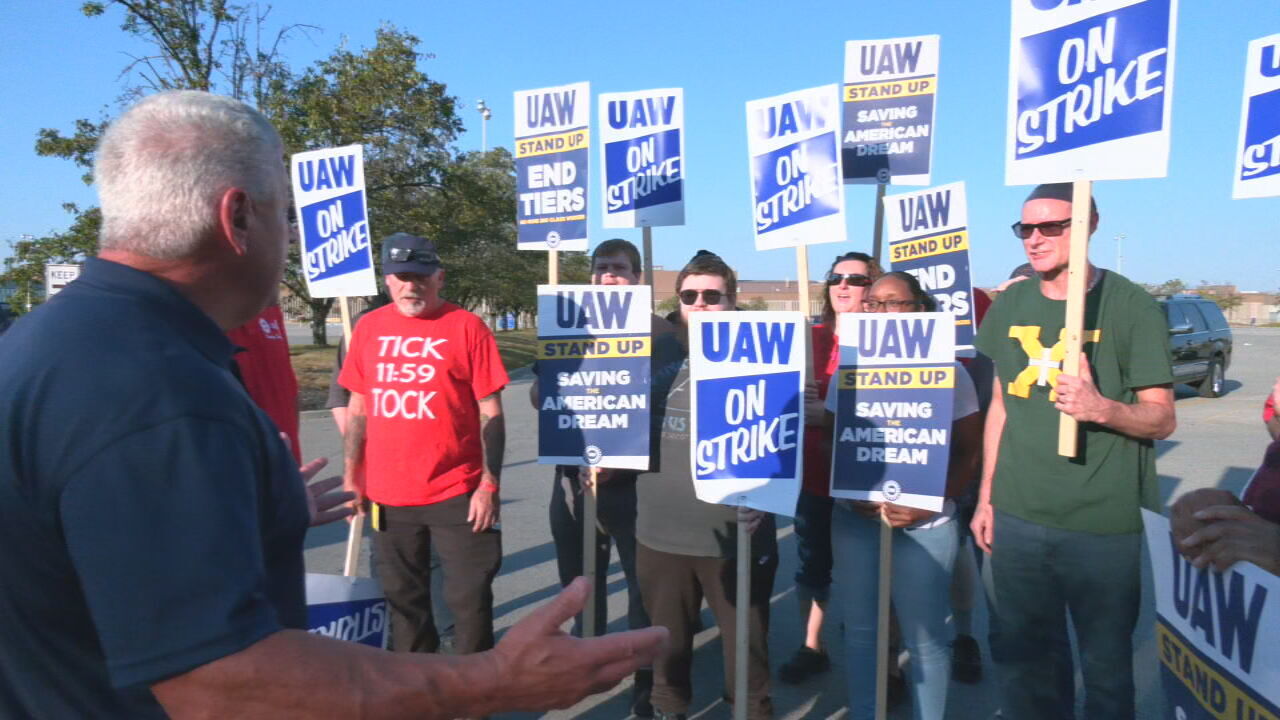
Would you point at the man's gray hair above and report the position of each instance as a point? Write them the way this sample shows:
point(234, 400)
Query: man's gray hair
point(162, 166)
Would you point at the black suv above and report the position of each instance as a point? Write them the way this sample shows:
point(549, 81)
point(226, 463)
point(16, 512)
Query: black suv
point(1200, 342)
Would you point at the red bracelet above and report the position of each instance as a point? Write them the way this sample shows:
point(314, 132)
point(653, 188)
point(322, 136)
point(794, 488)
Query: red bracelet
point(489, 485)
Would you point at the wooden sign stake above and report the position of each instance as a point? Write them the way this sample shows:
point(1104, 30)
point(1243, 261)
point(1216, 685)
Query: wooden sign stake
point(742, 621)
point(355, 530)
point(589, 515)
point(882, 614)
point(647, 246)
point(1077, 288)
point(878, 233)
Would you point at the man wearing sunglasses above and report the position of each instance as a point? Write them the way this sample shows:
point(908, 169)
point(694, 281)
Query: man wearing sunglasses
point(424, 444)
point(1065, 533)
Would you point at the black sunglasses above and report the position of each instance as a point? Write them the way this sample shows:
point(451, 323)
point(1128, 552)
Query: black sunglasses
point(1052, 228)
point(711, 297)
point(400, 255)
point(854, 279)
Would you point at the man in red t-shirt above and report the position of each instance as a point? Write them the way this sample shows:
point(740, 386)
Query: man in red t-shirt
point(267, 373)
point(424, 443)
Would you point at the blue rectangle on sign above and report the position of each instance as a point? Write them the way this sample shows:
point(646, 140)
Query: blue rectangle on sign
point(900, 145)
point(797, 183)
point(946, 278)
point(593, 408)
point(358, 621)
point(899, 443)
point(336, 234)
point(1262, 137)
point(643, 172)
point(748, 427)
point(1093, 81)
point(551, 197)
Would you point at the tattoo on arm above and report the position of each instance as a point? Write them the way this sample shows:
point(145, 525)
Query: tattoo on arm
point(493, 437)
point(353, 438)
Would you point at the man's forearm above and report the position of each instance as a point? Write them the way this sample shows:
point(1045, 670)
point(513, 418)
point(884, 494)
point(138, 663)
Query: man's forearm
point(991, 433)
point(1144, 420)
point(353, 438)
point(493, 438)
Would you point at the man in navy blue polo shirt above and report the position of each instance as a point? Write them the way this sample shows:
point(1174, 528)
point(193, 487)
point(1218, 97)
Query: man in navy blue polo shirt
point(151, 516)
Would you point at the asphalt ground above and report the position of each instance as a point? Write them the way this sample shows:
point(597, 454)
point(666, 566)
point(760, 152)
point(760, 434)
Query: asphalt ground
point(1217, 444)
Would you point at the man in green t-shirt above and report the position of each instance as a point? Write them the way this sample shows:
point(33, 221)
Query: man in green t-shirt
point(1065, 533)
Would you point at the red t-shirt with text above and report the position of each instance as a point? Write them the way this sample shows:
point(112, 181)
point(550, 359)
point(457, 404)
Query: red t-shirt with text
point(421, 379)
point(267, 371)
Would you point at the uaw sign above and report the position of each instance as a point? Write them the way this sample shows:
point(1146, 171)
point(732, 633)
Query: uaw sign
point(797, 196)
point(594, 375)
point(1217, 634)
point(1090, 90)
point(57, 277)
point(894, 395)
point(890, 97)
point(929, 238)
point(642, 146)
point(747, 373)
point(347, 608)
point(1258, 155)
point(333, 222)
point(552, 144)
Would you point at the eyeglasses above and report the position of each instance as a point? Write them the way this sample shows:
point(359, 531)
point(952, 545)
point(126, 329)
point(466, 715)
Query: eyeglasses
point(890, 305)
point(854, 279)
point(400, 255)
point(1052, 228)
point(711, 297)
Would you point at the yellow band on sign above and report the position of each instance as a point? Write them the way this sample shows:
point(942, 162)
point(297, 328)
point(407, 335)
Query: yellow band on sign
point(563, 218)
point(1218, 695)
point(548, 144)
point(891, 89)
point(940, 244)
point(905, 378)
point(593, 348)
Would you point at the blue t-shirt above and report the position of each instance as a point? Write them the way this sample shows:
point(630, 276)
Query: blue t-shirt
point(151, 517)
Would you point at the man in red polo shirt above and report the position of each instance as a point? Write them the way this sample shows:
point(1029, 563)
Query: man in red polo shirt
point(424, 443)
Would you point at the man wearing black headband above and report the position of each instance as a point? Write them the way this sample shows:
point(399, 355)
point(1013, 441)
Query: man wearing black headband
point(1065, 533)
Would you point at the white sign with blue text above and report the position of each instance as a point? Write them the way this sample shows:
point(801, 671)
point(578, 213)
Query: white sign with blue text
point(642, 148)
point(1090, 90)
point(1258, 157)
point(333, 222)
point(553, 140)
point(797, 193)
point(594, 375)
point(1217, 634)
point(347, 608)
point(894, 395)
point(747, 370)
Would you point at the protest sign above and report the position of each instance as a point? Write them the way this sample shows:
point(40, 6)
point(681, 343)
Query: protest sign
point(747, 374)
point(57, 277)
point(642, 151)
point(347, 608)
point(333, 222)
point(1258, 157)
point(552, 143)
point(894, 395)
point(1217, 634)
point(797, 196)
point(1090, 90)
point(593, 375)
point(929, 238)
point(890, 91)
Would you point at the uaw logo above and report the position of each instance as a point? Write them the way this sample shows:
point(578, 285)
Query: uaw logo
point(892, 490)
point(1044, 364)
point(592, 455)
point(553, 239)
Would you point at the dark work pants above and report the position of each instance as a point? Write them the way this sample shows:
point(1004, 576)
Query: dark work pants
point(1039, 573)
point(674, 587)
point(616, 516)
point(469, 560)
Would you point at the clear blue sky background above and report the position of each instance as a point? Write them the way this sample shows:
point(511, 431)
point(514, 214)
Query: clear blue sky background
point(59, 66)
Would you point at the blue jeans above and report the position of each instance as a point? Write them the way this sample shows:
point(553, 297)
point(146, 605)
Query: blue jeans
point(922, 561)
point(813, 544)
point(1038, 574)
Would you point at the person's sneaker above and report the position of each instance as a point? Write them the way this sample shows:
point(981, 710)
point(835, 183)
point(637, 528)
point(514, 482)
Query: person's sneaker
point(641, 707)
point(966, 660)
point(664, 715)
point(803, 665)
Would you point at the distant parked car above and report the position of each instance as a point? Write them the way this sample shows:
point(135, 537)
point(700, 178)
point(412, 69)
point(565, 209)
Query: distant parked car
point(1200, 341)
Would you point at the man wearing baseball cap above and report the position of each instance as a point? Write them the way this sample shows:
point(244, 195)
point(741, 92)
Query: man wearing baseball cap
point(424, 443)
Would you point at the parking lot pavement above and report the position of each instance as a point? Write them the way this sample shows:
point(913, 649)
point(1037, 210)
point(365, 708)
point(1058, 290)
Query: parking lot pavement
point(1217, 444)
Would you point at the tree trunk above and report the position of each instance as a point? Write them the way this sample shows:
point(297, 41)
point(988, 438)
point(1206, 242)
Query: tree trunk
point(320, 314)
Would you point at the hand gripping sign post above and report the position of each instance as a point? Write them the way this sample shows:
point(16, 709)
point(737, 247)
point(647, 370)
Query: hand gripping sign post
point(1257, 172)
point(642, 148)
point(593, 390)
point(1216, 634)
point(890, 98)
point(552, 142)
point(894, 394)
point(929, 238)
point(797, 197)
point(747, 371)
point(337, 257)
point(1090, 97)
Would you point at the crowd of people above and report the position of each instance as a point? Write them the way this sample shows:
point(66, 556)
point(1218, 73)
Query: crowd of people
point(162, 523)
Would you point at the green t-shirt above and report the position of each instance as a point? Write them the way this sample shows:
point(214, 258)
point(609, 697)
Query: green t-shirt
point(1112, 476)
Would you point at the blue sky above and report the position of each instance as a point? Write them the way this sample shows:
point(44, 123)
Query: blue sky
point(60, 66)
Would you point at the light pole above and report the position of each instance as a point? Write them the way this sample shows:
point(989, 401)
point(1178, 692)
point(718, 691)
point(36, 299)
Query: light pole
point(485, 114)
point(1120, 253)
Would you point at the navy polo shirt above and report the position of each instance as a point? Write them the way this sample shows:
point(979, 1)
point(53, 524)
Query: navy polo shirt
point(151, 519)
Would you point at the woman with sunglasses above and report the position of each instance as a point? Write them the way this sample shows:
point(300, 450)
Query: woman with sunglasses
point(686, 549)
point(847, 281)
point(924, 550)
